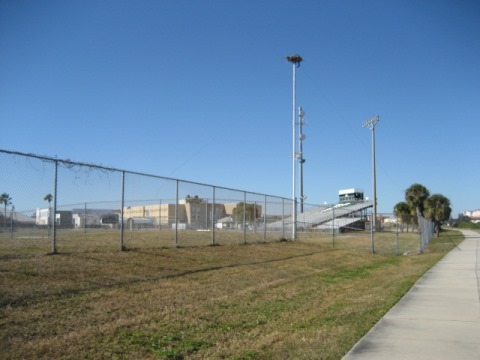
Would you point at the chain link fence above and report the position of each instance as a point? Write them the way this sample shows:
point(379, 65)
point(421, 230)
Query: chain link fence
point(49, 205)
point(342, 228)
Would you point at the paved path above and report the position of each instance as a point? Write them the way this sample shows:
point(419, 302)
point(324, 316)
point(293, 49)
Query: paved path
point(439, 318)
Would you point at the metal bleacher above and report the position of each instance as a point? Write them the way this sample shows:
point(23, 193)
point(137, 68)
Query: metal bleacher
point(336, 224)
point(337, 215)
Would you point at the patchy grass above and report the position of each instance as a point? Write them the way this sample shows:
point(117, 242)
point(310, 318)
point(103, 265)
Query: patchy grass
point(288, 300)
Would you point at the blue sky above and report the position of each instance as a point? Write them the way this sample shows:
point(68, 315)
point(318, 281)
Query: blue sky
point(201, 91)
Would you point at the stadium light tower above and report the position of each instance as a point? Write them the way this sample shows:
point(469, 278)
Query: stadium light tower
point(370, 123)
point(295, 60)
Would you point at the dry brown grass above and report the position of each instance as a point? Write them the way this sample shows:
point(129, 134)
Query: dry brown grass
point(282, 300)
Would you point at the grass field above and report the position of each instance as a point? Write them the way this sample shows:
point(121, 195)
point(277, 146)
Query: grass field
point(39, 240)
point(277, 300)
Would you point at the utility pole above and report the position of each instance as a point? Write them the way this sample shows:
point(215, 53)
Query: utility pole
point(301, 159)
point(295, 60)
point(370, 123)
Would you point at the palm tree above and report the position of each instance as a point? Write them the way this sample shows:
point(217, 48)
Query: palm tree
point(5, 199)
point(403, 213)
point(49, 198)
point(193, 204)
point(193, 200)
point(415, 197)
point(438, 210)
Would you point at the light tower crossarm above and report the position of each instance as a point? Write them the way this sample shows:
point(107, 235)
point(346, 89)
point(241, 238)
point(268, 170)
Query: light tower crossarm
point(370, 123)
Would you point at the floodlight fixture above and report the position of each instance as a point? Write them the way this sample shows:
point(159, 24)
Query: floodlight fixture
point(295, 59)
point(370, 123)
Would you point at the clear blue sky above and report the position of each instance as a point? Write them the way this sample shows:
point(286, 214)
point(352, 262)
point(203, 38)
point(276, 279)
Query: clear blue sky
point(200, 90)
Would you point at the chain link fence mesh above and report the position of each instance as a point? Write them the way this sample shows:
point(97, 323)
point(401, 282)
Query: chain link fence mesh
point(51, 205)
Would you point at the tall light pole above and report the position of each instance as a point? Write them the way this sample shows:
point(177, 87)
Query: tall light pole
point(301, 159)
point(295, 60)
point(370, 123)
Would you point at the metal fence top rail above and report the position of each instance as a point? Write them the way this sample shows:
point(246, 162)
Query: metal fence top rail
point(70, 163)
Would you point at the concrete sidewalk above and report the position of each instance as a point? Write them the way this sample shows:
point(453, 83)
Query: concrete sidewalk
point(439, 318)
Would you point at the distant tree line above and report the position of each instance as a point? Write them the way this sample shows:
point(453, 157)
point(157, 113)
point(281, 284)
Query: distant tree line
point(6, 200)
point(252, 213)
point(464, 221)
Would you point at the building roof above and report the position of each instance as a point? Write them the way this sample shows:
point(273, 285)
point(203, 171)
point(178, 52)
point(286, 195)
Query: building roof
point(350, 191)
point(21, 217)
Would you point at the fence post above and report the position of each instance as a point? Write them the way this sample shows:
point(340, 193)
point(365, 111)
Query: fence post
point(420, 231)
point(85, 218)
point(54, 227)
point(11, 221)
point(398, 246)
point(206, 214)
point(176, 215)
point(213, 215)
point(255, 220)
point(264, 220)
point(333, 226)
point(160, 215)
point(12, 214)
point(372, 236)
point(122, 206)
point(244, 217)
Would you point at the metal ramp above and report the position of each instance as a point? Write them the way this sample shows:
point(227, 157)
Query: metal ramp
point(318, 216)
point(340, 224)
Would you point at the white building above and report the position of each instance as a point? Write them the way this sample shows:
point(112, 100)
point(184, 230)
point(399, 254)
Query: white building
point(472, 214)
point(45, 217)
point(93, 217)
point(350, 195)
